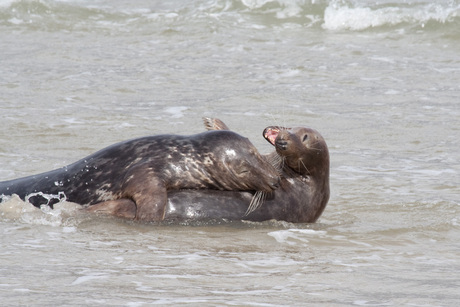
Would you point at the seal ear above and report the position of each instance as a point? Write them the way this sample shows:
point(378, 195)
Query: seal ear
point(271, 132)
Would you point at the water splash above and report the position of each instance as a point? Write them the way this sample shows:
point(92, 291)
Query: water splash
point(15, 209)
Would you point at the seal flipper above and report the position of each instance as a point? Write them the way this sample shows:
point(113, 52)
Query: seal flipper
point(124, 208)
point(147, 191)
point(151, 206)
point(214, 124)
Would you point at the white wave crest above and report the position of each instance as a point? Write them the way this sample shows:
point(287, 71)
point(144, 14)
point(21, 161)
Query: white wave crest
point(290, 8)
point(337, 17)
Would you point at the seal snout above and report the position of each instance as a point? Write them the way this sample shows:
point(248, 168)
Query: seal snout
point(270, 185)
point(276, 183)
point(271, 133)
point(282, 140)
point(278, 137)
point(281, 144)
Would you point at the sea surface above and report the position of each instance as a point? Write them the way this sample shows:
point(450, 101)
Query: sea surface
point(379, 79)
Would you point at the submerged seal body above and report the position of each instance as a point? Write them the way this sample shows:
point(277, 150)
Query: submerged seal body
point(136, 176)
point(303, 158)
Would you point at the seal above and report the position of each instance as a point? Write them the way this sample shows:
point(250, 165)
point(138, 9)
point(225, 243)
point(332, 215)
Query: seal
point(133, 178)
point(301, 156)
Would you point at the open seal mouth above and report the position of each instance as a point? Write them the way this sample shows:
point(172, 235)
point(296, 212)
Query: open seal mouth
point(271, 135)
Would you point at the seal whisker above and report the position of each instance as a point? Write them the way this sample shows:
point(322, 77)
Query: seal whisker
point(276, 161)
point(282, 163)
point(273, 118)
point(256, 201)
point(312, 146)
point(301, 162)
point(284, 114)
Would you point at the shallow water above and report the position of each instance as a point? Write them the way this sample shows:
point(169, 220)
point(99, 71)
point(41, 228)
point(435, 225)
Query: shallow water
point(379, 80)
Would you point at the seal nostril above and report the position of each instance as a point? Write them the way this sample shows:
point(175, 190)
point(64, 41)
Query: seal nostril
point(276, 184)
point(281, 144)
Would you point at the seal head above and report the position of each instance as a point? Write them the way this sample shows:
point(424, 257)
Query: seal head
point(303, 149)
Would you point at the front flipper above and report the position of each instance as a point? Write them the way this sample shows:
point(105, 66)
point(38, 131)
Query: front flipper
point(148, 191)
point(214, 124)
point(124, 208)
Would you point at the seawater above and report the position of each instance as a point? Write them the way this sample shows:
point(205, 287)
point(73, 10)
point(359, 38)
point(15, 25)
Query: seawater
point(379, 79)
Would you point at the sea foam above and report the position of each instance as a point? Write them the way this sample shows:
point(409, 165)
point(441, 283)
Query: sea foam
point(342, 17)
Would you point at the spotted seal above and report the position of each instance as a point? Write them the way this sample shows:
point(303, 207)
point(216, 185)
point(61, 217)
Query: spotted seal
point(136, 176)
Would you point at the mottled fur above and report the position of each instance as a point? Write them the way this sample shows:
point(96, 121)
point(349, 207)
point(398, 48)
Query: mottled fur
point(132, 178)
point(303, 158)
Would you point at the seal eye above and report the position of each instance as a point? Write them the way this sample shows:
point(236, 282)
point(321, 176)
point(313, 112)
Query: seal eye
point(305, 137)
point(243, 169)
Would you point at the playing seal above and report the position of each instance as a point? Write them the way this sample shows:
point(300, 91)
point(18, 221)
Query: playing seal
point(133, 178)
point(303, 158)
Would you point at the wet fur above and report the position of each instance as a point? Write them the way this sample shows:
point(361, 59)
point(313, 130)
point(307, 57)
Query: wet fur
point(301, 198)
point(135, 177)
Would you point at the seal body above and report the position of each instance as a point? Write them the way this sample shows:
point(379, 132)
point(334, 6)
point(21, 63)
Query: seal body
point(133, 178)
point(303, 157)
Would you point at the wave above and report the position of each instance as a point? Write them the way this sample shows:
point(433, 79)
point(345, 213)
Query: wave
point(330, 15)
point(347, 17)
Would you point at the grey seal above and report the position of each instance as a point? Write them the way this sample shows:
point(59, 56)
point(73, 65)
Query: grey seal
point(136, 176)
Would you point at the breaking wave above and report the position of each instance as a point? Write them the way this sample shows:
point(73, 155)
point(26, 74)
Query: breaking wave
point(332, 15)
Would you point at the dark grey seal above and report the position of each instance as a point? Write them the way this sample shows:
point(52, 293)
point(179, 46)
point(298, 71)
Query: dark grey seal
point(136, 176)
point(301, 156)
